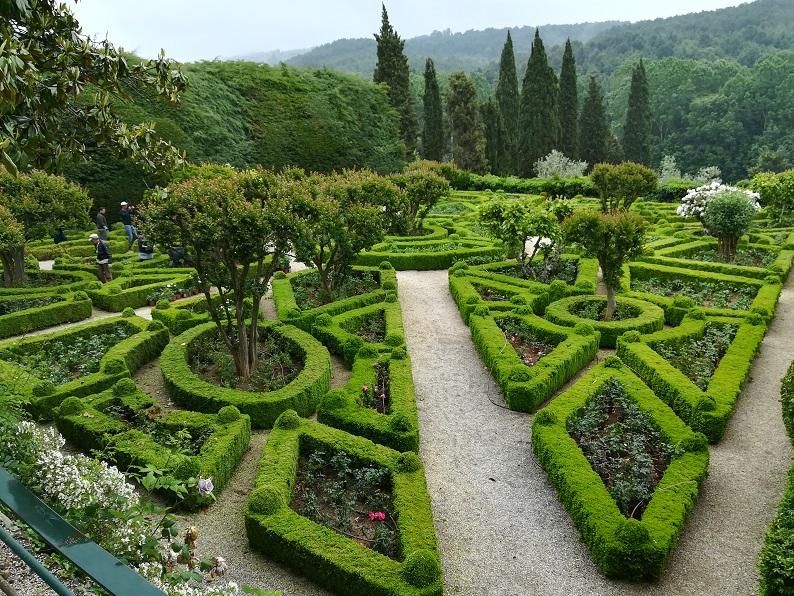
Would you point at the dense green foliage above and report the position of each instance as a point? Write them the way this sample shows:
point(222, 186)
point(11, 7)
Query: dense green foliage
point(637, 130)
point(465, 123)
point(593, 127)
point(539, 122)
point(392, 69)
point(507, 100)
point(433, 139)
point(569, 104)
point(620, 185)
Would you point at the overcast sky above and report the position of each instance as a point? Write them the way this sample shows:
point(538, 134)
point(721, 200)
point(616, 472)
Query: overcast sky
point(205, 29)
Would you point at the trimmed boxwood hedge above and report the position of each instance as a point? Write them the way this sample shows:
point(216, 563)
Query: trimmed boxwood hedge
point(69, 309)
point(650, 318)
point(705, 411)
point(432, 231)
point(776, 563)
point(334, 561)
point(120, 361)
point(524, 387)
point(85, 424)
point(341, 408)
point(70, 281)
point(194, 393)
point(621, 548)
point(125, 292)
point(463, 288)
point(429, 260)
point(288, 310)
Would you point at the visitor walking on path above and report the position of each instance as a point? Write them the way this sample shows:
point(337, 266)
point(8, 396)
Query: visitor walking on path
point(129, 228)
point(102, 224)
point(103, 258)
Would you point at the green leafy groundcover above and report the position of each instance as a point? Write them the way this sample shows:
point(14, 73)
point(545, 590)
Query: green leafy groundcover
point(622, 547)
point(23, 314)
point(136, 342)
point(128, 428)
point(302, 394)
point(709, 410)
point(332, 559)
point(776, 564)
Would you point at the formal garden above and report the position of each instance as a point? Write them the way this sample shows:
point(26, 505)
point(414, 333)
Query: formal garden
point(397, 377)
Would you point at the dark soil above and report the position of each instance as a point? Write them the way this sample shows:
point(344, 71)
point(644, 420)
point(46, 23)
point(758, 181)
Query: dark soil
point(309, 294)
point(378, 396)
point(371, 328)
point(525, 342)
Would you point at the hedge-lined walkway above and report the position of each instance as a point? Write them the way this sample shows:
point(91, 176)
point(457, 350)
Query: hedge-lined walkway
point(501, 527)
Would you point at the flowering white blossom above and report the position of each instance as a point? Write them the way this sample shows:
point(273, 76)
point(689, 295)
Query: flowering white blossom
point(668, 169)
point(696, 199)
point(557, 165)
point(152, 572)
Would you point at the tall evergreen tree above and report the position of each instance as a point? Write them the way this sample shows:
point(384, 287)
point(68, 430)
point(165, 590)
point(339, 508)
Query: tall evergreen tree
point(465, 124)
point(507, 101)
point(569, 104)
point(539, 124)
point(433, 132)
point(637, 131)
point(594, 133)
point(494, 136)
point(392, 69)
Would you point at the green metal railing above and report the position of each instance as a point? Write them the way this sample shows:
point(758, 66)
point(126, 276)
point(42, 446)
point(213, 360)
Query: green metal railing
point(106, 570)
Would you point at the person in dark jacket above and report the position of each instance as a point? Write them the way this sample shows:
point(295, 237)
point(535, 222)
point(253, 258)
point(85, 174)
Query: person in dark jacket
point(103, 258)
point(126, 219)
point(145, 248)
point(102, 224)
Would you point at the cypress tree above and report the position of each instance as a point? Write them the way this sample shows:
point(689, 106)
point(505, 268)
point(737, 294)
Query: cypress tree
point(433, 133)
point(507, 101)
point(637, 131)
point(392, 69)
point(539, 124)
point(494, 136)
point(594, 131)
point(465, 124)
point(569, 104)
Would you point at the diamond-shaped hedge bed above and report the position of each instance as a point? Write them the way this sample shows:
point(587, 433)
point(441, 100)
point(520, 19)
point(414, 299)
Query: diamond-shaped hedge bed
point(552, 354)
point(705, 409)
point(333, 559)
point(623, 545)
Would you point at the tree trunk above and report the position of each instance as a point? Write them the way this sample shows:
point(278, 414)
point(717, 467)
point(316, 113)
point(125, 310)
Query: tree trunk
point(610, 311)
point(241, 362)
point(727, 248)
point(14, 267)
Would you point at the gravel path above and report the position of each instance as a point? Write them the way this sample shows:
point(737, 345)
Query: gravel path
point(501, 527)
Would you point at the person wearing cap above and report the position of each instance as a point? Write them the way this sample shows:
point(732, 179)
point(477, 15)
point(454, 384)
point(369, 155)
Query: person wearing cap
point(126, 218)
point(103, 258)
point(102, 224)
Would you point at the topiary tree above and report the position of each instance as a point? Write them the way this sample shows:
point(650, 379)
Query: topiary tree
point(612, 238)
point(727, 217)
point(339, 216)
point(35, 204)
point(619, 185)
point(423, 187)
point(236, 226)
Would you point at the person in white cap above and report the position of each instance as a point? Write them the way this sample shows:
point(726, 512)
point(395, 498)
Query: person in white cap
point(126, 218)
point(103, 258)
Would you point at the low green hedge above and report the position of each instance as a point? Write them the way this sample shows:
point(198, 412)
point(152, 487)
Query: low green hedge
point(302, 394)
point(334, 561)
point(87, 424)
point(132, 291)
point(146, 342)
point(705, 411)
point(56, 282)
point(342, 408)
point(776, 563)
point(429, 260)
point(464, 292)
point(621, 548)
point(432, 231)
point(524, 387)
point(287, 307)
point(586, 276)
point(650, 318)
point(70, 308)
point(336, 332)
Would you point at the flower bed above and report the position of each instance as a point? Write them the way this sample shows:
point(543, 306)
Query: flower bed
point(23, 314)
point(334, 560)
point(709, 410)
point(525, 387)
point(51, 367)
point(621, 546)
point(308, 293)
point(641, 316)
point(133, 291)
point(429, 255)
point(131, 431)
point(302, 394)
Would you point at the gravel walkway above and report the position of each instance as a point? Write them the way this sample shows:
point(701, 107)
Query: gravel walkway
point(501, 527)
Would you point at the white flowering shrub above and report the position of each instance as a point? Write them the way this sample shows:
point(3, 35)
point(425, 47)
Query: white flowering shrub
point(153, 573)
point(697, 199)
point(668, 169)
point(557, 165)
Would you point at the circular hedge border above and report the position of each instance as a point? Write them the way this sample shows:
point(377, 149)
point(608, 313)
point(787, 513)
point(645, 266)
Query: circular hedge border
point(303, 394)
point(649, 319)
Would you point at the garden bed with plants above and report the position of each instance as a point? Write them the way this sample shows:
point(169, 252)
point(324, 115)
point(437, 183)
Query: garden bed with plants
point(22, 314)
point(430, 255)
point(53, 282)
point(134, 291)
